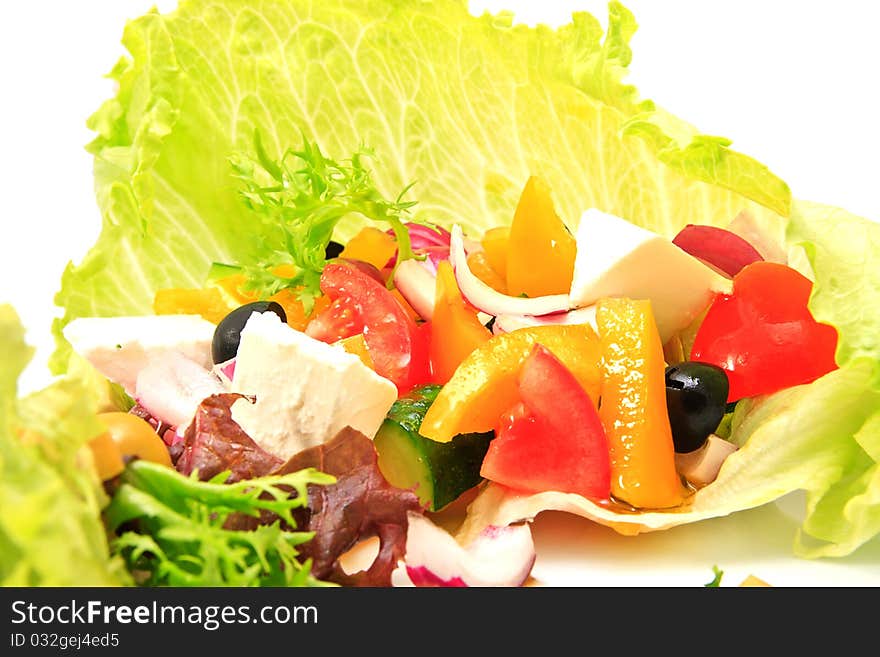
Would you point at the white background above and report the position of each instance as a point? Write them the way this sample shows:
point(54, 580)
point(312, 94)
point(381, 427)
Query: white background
point(793, 84)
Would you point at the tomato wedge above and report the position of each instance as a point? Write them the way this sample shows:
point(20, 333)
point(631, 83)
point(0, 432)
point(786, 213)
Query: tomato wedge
point(361, 304)
point(484, 385)
point(553, 439)
point(338, 321)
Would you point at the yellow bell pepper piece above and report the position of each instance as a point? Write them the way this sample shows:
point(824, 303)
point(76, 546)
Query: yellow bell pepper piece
point(207, 302)
point(455, 328)
point(484, 384)
point(633, 409)
point(297, 317)
point(541, 251)
point(232, 290)
point(495, 242)
point(371, 245)
point(357, 345)
point(414, 316)
point(226, 294)
point(751, 582)
point(232, 287)
point(479, 265)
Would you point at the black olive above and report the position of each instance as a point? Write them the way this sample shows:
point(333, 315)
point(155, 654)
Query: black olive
point(227, 335)
point(332, 250)
point(696, 400)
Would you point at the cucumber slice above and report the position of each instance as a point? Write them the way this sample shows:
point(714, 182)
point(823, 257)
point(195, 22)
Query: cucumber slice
point(437, 472)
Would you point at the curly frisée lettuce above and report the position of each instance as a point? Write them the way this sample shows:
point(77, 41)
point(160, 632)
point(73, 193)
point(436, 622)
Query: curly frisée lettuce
point(468, 108)
point(299, 199)
point(182, 538)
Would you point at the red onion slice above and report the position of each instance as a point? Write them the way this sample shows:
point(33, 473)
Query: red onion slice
point(508, 323)
point(432, 241)
point(434, 255)
point(421, 236)
point(172, 386)
point(225, 371)
point(490, 301)
point(498, 556)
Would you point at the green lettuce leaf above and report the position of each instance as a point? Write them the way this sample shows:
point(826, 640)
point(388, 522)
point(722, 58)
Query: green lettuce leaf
point(842, 250)
point(51, 533)
point(468, 107)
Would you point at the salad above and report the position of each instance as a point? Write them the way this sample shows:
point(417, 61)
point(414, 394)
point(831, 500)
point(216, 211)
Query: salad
point(297, 333)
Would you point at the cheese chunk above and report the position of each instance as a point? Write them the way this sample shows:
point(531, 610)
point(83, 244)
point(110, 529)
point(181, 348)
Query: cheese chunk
point(306, 390)
point(120, 347)
point(618, 259)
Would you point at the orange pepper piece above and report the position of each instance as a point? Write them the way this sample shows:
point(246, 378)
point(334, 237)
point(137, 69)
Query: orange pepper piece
point(207, 302)
point(633, 409)
point(541, 251)
point(484, 384)
point(403, 302)
point(357, 345)
point(371, 245)
point(232, 288)
point(495, 242)
point(478, 263)
point(456, 329)
point(296, 314)
point(224, 295)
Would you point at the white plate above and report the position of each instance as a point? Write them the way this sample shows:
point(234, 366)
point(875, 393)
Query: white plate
point(792, 86)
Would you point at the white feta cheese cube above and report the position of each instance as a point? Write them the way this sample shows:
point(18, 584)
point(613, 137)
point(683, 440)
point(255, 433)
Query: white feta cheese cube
point(616, 258)
point(306, 390)
point(120, 347)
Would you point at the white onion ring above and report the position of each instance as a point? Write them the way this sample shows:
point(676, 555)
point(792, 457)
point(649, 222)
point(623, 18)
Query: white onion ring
point(490, 301)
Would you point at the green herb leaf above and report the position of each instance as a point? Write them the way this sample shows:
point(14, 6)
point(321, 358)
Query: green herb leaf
point(299, 200)
point(716, 582)
point(182, 538)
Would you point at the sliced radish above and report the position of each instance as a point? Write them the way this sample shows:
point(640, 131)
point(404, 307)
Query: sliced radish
point(508, 323)
point(767, 237)
point(172, 386)
point(498, 556)
point(490, 301)
point(723, 249)
point(418, 286)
